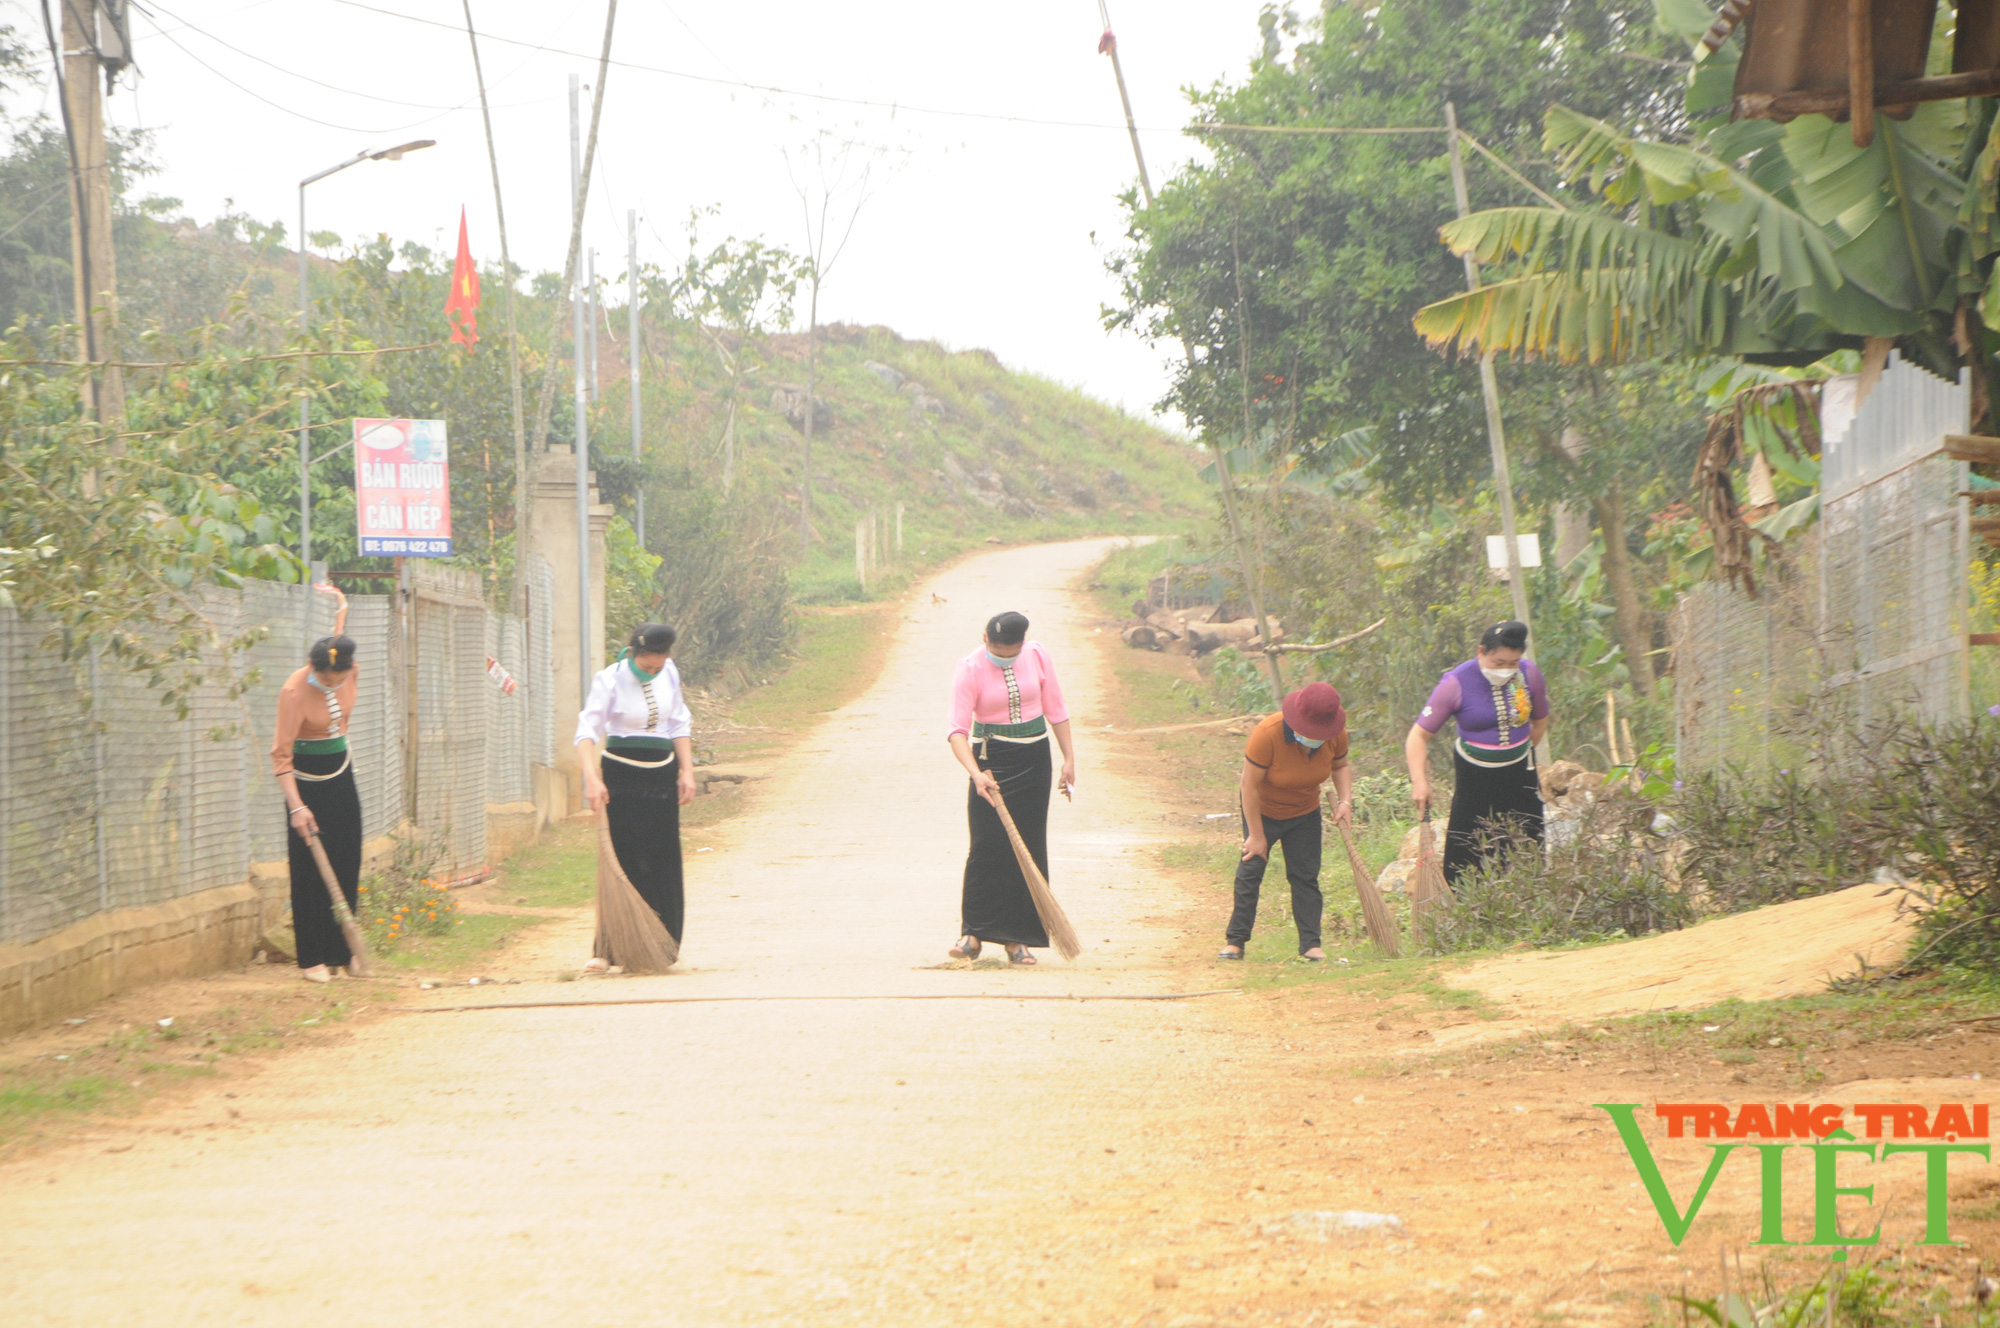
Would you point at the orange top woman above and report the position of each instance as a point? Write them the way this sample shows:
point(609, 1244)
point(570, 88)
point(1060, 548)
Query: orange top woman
point(314, 767)
point(1290, 755)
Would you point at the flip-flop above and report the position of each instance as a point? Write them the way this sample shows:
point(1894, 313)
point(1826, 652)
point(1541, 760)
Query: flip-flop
point(1228, 954)
point(962, 951)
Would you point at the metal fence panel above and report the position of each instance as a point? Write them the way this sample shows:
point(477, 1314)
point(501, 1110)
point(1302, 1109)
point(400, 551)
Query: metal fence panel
point(109, 799)
point(50, 790)
point(1873, 632)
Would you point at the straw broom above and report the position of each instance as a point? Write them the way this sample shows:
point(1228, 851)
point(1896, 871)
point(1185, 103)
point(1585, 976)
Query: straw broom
point(1381, 926)
point(1428, 889)
point(357, 949)
point(629, 933)
point(1054, 921)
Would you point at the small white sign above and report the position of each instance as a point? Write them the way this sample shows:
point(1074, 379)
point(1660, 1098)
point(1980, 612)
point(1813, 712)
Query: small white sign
point(1496, 551)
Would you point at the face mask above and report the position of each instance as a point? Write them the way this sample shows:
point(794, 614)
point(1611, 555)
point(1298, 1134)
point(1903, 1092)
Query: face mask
point(638, 672)
point(1000, 663)
point(1499, 677)
point(1310, 744)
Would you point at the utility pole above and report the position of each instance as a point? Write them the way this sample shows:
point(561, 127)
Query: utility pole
point(634, 352)
point(578, 351)
point(1253, 574)
point(94, 38)
point(1489, 389)
point(590, 285)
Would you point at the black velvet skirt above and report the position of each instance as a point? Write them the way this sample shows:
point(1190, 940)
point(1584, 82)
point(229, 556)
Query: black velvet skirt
point(1494, 809)
point(336, 805)
point(645, 819)
point(997, 906)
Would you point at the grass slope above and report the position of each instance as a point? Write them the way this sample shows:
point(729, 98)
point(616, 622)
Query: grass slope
point(971, 449)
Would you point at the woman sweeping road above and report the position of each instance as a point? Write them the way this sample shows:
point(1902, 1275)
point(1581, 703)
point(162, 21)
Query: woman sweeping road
point(1004, 701)
point(645, 774)
point(310, 758)
point(1501, 703)
point(1288, 757)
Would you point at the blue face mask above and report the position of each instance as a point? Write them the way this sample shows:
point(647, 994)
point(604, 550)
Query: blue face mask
point(1000, 663)
point(1310, 744)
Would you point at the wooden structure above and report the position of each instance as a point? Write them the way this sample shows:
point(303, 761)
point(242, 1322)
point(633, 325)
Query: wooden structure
point(1848, 59)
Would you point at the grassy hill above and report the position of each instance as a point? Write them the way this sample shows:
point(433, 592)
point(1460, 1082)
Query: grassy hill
point(970, 449)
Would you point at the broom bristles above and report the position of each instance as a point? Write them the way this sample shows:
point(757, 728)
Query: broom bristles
point(1381, 926)
point(1054, 921)
point(1428, 890)
point(629, 933)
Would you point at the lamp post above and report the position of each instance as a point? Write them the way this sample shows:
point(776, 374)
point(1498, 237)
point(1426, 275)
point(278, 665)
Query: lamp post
point(305, 317)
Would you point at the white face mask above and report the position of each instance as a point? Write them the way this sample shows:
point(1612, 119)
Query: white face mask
point(1499, 677)
point(1310, 744)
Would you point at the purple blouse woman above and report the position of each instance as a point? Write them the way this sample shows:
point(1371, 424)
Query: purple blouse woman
point(1501, 703)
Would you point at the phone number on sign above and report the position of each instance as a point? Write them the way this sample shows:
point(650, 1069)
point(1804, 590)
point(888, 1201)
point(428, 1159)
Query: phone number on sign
point(415, 548)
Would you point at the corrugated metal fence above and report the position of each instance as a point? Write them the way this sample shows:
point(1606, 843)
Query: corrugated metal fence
point(108, 801)
point(1868, 621)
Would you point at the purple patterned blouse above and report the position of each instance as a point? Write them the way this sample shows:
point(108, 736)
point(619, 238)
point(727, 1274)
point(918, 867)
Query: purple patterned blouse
point(1488, 716)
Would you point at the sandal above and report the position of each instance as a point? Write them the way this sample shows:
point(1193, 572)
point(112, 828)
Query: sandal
point(597, 966)
point(1230, 952)
point(963, 950)
point(1018, 954)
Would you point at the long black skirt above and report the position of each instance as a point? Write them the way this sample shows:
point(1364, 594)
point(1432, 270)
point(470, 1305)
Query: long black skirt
point(645, 817)
point(1494, 809)
point(336, 805)
point(997, 906)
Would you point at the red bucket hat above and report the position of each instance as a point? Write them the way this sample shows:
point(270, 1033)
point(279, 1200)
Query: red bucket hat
point(1314, 711)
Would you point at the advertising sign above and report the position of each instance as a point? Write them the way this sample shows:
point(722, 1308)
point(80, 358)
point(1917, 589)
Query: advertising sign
point(402, 483)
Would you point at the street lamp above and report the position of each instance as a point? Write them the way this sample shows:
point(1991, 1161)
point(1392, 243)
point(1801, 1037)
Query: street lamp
point(305, 317)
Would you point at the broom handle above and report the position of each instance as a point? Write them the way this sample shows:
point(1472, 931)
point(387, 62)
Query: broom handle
point(1014, 837)
point(357, 948)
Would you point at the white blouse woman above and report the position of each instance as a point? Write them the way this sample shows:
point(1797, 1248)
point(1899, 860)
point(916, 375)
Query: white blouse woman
point(643, 775)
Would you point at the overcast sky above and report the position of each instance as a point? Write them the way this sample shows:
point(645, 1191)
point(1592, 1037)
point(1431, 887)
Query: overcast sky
point(980, 228)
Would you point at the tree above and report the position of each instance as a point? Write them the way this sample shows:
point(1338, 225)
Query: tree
point(1331, 233)
point(734, 294)
point(1755, 239)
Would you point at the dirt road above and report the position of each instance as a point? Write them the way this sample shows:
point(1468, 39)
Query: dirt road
point(865, 1159)
point(833, 1152)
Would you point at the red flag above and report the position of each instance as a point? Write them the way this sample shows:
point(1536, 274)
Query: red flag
point(461, 308)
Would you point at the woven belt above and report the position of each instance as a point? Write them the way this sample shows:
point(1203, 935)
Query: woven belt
point(321, 779)
point(623, 759)
point(1484, 756)
point(1024, 731)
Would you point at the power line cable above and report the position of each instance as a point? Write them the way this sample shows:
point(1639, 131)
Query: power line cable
point(289, 73)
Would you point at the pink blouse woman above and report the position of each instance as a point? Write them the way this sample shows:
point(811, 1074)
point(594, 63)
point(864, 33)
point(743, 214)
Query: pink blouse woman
point(1004, 701)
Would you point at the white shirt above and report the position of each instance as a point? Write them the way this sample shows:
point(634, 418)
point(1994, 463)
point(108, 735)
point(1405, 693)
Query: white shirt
point(617, 707)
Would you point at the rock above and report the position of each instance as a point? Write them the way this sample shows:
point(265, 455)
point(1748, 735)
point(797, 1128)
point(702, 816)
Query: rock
point(1557, 776)
point(991, 400)
point(1140, 608)
point(791, 403)
point(1396, 876)
point(278, 945)
point(927, 404)
point(1115, 481)
point(992, 539)
point(1045, 485)
point(1083, 498)
point(1322, 1225)
point(890, 378)
point(1408, 851)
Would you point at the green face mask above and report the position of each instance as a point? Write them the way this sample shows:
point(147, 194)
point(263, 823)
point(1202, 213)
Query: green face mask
point(632, 663)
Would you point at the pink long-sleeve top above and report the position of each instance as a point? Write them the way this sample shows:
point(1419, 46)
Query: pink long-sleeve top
point(984, 692)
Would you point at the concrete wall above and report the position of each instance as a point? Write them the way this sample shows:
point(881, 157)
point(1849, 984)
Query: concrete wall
point(113, 952)
point(554, 538)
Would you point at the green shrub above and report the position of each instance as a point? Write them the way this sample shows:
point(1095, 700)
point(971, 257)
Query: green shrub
point(1750, 844)
point(1932, 815)
point(406, 899)
point(1611, 879)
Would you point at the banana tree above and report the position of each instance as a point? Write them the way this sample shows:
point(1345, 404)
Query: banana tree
point(1756, 239)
